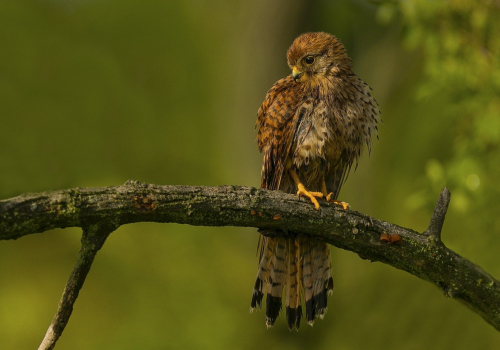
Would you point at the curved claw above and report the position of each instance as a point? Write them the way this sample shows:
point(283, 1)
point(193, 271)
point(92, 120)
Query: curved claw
point(343, 204)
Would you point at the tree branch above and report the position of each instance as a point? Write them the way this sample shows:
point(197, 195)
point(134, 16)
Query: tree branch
point(437, 220)
point(93, 239)
point(423, 255)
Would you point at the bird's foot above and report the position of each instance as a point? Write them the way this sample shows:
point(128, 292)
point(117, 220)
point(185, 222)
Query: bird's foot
point(343, 204)
point(311, 195)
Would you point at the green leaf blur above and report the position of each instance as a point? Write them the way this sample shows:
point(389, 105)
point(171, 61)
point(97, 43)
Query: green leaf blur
point(96, 92)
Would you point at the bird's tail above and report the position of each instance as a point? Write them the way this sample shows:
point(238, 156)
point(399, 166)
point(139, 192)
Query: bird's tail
point(299, 266)
point(316, 277)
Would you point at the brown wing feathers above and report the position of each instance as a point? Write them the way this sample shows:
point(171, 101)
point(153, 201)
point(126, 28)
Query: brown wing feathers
point(277, 119)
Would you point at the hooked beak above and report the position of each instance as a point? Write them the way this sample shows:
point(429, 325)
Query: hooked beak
point(296, 73)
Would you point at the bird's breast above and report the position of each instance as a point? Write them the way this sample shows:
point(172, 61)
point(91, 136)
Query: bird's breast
point(316, 143)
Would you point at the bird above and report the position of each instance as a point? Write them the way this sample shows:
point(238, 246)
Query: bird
point(312, 128)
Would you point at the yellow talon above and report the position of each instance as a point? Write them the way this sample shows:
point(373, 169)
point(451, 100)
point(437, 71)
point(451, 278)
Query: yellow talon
point(303, 192)
point(343, 204)
point(311, 195)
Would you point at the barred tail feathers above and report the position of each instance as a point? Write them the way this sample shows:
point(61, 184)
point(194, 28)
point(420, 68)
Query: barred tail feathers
point(293, 302)
point(265, 262)
point(307, 279)
point(277, 280)
point(300, 266)
point(317, 280)
point(323, 281)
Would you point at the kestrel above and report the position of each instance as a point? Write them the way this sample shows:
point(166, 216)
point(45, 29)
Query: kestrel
point(313, 125)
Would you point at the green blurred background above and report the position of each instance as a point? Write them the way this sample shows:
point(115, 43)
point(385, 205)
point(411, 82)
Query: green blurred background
point(95, 92)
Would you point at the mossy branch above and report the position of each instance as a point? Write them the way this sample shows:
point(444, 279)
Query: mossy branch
point(421, 254)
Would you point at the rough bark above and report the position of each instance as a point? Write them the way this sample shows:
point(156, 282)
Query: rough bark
point(421, 254)
point(93, 239)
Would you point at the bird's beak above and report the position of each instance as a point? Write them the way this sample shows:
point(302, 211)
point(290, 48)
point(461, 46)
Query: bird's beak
point(296, 73)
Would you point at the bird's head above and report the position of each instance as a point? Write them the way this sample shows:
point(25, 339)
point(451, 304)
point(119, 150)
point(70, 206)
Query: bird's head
point(313, 56)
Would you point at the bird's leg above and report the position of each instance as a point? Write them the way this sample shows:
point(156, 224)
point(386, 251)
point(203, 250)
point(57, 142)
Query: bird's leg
point(328, 196)
point(303, 192)
point(323, 188)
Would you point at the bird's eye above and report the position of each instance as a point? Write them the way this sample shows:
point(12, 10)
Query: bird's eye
point(309, 60)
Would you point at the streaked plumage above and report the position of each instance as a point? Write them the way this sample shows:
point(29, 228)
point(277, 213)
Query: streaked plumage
point(312, 123)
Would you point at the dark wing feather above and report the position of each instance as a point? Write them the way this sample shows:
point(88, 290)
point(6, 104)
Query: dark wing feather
point(337, 175)
point(277, 121)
